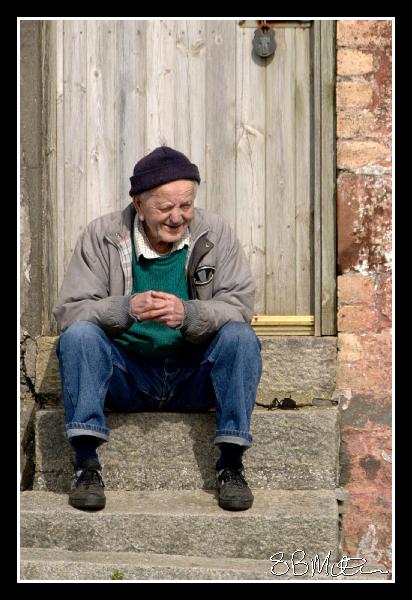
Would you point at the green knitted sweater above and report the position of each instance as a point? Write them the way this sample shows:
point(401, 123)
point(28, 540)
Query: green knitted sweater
point(163, 274)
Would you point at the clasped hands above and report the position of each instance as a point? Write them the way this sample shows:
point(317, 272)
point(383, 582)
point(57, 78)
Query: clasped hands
point(159, 307)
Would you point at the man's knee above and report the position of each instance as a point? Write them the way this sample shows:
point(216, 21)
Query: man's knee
point(81, 332)
point(242, 333)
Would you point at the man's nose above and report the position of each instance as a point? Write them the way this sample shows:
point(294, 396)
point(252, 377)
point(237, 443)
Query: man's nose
point(176, 216)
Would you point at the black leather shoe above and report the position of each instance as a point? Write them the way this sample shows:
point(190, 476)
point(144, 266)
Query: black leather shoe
point(234, 492)
point(86, 491)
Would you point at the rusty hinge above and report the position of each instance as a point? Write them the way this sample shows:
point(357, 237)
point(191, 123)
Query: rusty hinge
point(270, 24)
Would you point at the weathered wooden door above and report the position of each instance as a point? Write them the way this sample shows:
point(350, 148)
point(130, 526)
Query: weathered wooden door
point(118, 89)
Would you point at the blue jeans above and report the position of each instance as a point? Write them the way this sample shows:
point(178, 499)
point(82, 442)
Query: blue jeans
point(222, 373)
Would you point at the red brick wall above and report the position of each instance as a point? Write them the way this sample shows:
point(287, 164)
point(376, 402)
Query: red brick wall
point(364, 118)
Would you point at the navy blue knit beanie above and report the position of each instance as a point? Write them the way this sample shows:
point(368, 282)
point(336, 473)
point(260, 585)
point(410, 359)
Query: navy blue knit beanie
point(161, 166)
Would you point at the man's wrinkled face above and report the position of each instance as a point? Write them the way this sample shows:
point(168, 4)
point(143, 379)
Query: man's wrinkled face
point(166, 212)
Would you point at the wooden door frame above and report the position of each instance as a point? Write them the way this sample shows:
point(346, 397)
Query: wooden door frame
point(324, 180)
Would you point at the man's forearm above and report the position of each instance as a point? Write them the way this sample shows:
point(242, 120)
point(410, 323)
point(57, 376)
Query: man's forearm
point(111, 313)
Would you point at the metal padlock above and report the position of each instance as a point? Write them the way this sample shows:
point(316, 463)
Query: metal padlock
point(264, 42)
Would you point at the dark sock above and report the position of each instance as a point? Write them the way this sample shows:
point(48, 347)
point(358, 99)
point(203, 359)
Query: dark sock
point(230, 456)
point(85, 449)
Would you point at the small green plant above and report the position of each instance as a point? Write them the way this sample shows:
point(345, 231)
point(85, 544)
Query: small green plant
point(117, 574)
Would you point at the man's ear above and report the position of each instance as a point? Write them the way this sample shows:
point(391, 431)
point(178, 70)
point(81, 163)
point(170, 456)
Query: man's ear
point(137, 202)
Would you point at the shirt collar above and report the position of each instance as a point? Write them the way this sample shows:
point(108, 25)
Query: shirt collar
point(143, 246)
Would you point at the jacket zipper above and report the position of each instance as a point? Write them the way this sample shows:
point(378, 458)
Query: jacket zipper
point(118, 248)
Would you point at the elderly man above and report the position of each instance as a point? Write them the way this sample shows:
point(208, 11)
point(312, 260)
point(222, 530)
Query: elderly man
point(154, 314)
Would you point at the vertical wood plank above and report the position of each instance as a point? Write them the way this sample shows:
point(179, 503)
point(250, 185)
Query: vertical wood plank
point(101, 171)
point(50, 248)
point(317, 132)
point(130, 103)
point(304, 251)
point(60, 151)
point(328, 302)
point(196, 31)
point(280, 178)
point(75, 163)
point(189, 106)
point(160, 97)
point(250, 159)
point(181, 79)
point(220, 119)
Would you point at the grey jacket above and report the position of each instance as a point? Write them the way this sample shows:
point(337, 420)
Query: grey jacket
point(98, 283)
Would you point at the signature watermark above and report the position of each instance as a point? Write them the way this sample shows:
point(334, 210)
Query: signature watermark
point(298, 566)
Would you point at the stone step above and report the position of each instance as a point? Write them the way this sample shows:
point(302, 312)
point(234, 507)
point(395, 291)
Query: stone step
point(185, 522)
point(301, 366)
point(56, 564)
point(293, 449)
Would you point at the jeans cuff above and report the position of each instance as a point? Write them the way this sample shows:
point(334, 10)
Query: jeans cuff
point(233, 439)
point(75, 429)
